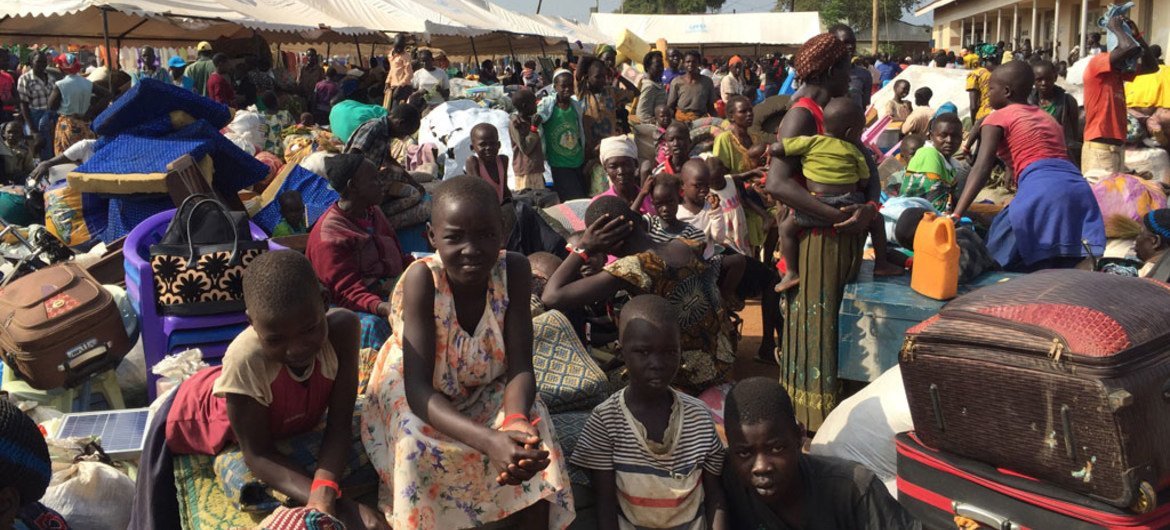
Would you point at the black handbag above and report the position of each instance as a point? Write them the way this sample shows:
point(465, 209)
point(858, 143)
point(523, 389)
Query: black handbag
point(199, 263)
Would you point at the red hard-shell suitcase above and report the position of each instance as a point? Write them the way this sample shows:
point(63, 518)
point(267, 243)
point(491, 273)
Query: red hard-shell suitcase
point(1059, 375)
point(936, 487)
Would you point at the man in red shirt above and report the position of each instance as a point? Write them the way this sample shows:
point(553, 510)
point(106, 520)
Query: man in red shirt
point(1105, 116)
point(219, 85)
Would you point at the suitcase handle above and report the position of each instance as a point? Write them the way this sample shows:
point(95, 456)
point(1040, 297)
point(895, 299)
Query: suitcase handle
point(984, 516)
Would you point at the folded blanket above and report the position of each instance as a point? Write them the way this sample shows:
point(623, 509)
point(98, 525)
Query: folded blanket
point(129, 163)
point(250, 495)
point(202, 503)
point(151, 99)
point(315, 192)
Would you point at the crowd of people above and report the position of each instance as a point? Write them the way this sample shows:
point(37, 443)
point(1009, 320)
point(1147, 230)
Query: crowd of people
point(720, 207)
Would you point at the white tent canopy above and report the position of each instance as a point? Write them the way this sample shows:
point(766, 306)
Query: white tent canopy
point(173, 21)
point(773, 29)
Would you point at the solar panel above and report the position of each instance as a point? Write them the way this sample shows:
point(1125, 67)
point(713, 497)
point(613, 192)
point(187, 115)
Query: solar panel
point(121, 432)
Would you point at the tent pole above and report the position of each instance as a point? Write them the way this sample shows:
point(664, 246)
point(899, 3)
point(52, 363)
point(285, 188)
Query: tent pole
point(359, 50)
point(473, 52)
point(109, 52)
point(513, 50)
point(328, 52)
point(543, 53)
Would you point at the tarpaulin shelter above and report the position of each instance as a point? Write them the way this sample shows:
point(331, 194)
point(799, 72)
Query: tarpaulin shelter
point(724, 33)
point(173, 22)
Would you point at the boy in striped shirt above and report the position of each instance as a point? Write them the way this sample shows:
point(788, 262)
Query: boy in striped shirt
point(654, 454)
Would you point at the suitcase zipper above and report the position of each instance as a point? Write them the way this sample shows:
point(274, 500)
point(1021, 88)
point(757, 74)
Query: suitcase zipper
point(1057, 350)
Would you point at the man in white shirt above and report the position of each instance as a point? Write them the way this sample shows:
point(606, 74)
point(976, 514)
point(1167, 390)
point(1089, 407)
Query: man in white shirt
point(430, 80)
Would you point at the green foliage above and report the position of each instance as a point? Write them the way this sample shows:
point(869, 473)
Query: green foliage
point(857, 13)
point(659, 7)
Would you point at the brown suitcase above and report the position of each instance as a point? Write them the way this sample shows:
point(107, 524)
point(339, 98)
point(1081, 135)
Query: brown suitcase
point(58, 326)
point(1063, 376)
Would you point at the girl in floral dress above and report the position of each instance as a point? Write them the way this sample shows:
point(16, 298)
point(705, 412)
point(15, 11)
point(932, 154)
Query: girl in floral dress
point(451, 420)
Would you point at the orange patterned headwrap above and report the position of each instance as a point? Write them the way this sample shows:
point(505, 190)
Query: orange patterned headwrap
point(816, 56)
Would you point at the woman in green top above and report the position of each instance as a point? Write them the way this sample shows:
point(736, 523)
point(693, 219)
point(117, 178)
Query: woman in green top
point(561, 121)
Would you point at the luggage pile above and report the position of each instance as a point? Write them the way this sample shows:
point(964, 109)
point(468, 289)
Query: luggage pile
point(1043, 402)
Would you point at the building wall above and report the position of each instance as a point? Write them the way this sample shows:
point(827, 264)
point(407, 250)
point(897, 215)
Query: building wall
point(1151, 16)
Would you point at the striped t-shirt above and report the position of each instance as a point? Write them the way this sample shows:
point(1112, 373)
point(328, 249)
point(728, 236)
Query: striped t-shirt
point(660, 233)
point(658, 485)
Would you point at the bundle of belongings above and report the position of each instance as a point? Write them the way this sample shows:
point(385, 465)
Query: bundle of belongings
point(144, 131)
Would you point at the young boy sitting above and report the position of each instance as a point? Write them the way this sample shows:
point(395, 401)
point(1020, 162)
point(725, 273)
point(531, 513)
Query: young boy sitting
point(654, 453)
point(292, 213)
point(527, 152)
point(665, 192)
point(836, 172)
point(485, 160)
point(930, 173)
point(296, 361)
point(770, 483)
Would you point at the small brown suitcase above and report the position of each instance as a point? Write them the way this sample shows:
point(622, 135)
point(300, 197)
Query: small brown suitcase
point(1063, 376)
point(58, 326)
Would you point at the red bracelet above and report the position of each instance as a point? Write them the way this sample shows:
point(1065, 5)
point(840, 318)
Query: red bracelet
point(535, 421)
point(511, 418)
point(875, 205)
point(533, 128)
point(322, 483)
point(580, 252)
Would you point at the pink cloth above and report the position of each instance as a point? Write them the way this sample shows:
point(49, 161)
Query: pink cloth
point(1128, 196)
point(647, 204)
point(1029, 134)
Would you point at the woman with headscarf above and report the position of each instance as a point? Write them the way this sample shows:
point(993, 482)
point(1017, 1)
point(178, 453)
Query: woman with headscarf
point(808, 349)
point(72, 99)
point(1151, 244)
point(353, 249)
point(732, 84)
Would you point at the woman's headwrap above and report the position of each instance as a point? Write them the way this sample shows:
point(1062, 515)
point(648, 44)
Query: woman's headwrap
point(68, 64)
point(340, 169)
point(616, 146)
point(945, 108)
point(735, 59)
point(1158, 223)
point(816, 56)
point(601, 49)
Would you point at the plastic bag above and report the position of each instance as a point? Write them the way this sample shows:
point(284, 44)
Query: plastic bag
point(91, 495)
point(862, 428)
point(174, 369)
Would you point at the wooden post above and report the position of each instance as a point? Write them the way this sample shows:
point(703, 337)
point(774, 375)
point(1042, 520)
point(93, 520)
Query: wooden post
point(359, 50)
point(110, 61)
point(1035, 23)
point(1016, 27)
point(998, 25)
point(1084, 24)
point(874, 27)
point(473, 52)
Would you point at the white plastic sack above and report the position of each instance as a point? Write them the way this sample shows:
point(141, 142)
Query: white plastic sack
point(449, 126)
point(91, 495)
point(862, 428)
point(1153, 160)
point(246, 129)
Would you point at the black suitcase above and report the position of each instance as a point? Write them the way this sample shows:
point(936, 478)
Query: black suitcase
point(1059, 375)
point(936, 488)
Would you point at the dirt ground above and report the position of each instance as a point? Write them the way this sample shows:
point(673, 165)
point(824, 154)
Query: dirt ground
point(746, 364)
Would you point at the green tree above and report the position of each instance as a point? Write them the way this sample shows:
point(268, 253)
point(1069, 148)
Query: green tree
point(856, 13)
point(659, 7)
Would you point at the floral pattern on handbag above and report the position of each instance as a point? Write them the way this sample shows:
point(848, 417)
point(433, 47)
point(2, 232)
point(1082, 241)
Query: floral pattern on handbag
point(211, 279)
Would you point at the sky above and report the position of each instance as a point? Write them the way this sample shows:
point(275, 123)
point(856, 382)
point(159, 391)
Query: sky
point(579, 9)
